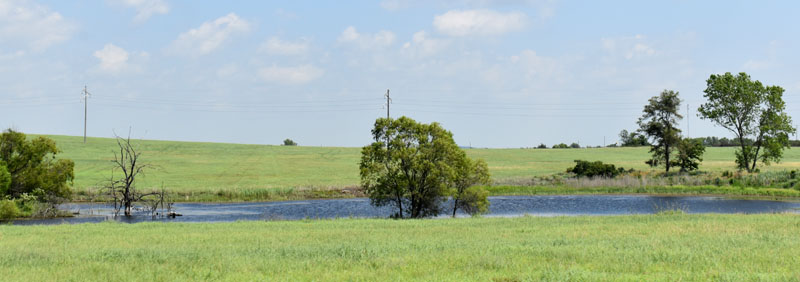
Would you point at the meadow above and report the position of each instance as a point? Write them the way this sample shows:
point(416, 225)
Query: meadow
point(213, 171)
point(635, 248)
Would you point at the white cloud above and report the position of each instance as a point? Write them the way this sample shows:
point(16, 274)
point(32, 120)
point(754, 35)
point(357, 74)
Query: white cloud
point(629, 47)
point(31, 25)
point(291, 75)
point(478, 22)
point(112, 58)
point(528, 69)
point(146, 8)
point(422, 45)
point(382, 38)
point(277, 46)
point(209, 36)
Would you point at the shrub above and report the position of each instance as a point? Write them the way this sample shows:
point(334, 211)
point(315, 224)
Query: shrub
point(560, 146)
point(574, 145)
point(596, 168)
point(541, 146)
point(289, 142)
point(8, 210)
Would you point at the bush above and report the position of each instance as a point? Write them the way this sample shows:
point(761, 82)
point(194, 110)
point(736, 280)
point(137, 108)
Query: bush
point(8, 210)
point(575, 146)
point(289, 142)
point(591, 169)
point(541, 146)
point(560, 146)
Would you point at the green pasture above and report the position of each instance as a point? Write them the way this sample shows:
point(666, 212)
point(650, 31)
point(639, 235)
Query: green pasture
point(668, 247)
point(195, 166)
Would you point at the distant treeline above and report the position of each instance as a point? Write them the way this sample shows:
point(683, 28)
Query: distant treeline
point(635, 140)
point(733, 142)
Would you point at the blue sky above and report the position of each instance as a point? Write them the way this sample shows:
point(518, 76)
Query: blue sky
point(504, 73)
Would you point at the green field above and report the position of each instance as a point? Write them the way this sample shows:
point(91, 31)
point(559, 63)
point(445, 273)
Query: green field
point(635, 248)
point(188, 167)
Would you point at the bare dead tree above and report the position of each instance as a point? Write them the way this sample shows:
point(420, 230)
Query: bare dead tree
point(122, 190)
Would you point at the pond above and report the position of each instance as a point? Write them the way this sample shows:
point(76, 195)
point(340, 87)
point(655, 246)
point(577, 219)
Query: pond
point(501, 206)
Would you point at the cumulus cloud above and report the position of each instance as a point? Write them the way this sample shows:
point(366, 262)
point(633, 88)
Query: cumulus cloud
point(422, 45)
point(112, 58)
point(478, 22)
point(146, 8)
point(32, 26)
point(209, 36)
point(291, 75)
point(276, 46)
point(382, 38)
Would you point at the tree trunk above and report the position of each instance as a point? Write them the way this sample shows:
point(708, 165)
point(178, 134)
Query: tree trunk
point(666, 154)
point(455, 206)
point(744, 154)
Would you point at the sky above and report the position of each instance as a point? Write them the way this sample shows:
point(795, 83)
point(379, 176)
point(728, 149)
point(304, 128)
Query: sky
point(496, 73)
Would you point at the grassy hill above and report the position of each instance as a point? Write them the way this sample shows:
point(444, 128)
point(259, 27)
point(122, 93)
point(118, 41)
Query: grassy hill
point(219, 168)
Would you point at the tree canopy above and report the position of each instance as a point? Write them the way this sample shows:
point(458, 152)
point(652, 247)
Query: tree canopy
point(752, 111)
point(414, 167)
point(33, 167)
point(660, 123)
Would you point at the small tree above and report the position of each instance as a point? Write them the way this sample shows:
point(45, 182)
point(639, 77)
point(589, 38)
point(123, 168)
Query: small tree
point(409, 166)
point(122, 190)
point(749, 110)
point(466, 196)
point(289, 142)
point(690, 154)
point(575, 146)
point(660, 123)
point(541, 146)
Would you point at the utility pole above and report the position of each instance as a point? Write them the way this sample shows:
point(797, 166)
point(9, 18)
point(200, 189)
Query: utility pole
point(85, 97)
point(388, 101)
point(687, 120)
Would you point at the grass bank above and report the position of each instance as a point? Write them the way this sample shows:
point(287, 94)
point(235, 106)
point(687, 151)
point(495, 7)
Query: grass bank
point(737, 192)
point(636, 248)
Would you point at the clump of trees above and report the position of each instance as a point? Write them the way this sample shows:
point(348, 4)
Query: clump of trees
point(750, 110)
point(595, 169)
point(632, 139)
point(414, 167)
point(289, 142)
point(31, 176)
point(659, 123)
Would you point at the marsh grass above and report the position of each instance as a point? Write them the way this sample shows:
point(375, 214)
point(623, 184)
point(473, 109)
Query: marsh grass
point(665, 247)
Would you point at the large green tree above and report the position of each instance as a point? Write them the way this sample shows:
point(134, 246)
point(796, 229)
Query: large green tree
point(659, 122)
point(33, 167)
point(5, 179)
point(750, 110)
point(410, 166)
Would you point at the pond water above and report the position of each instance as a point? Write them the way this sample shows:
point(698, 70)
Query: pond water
point(501, 206)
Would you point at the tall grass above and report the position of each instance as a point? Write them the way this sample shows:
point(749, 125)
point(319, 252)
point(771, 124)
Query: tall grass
point(669, 246)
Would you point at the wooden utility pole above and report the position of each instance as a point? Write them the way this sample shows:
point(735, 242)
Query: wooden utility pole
point(388, 101)
point(85, 98)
